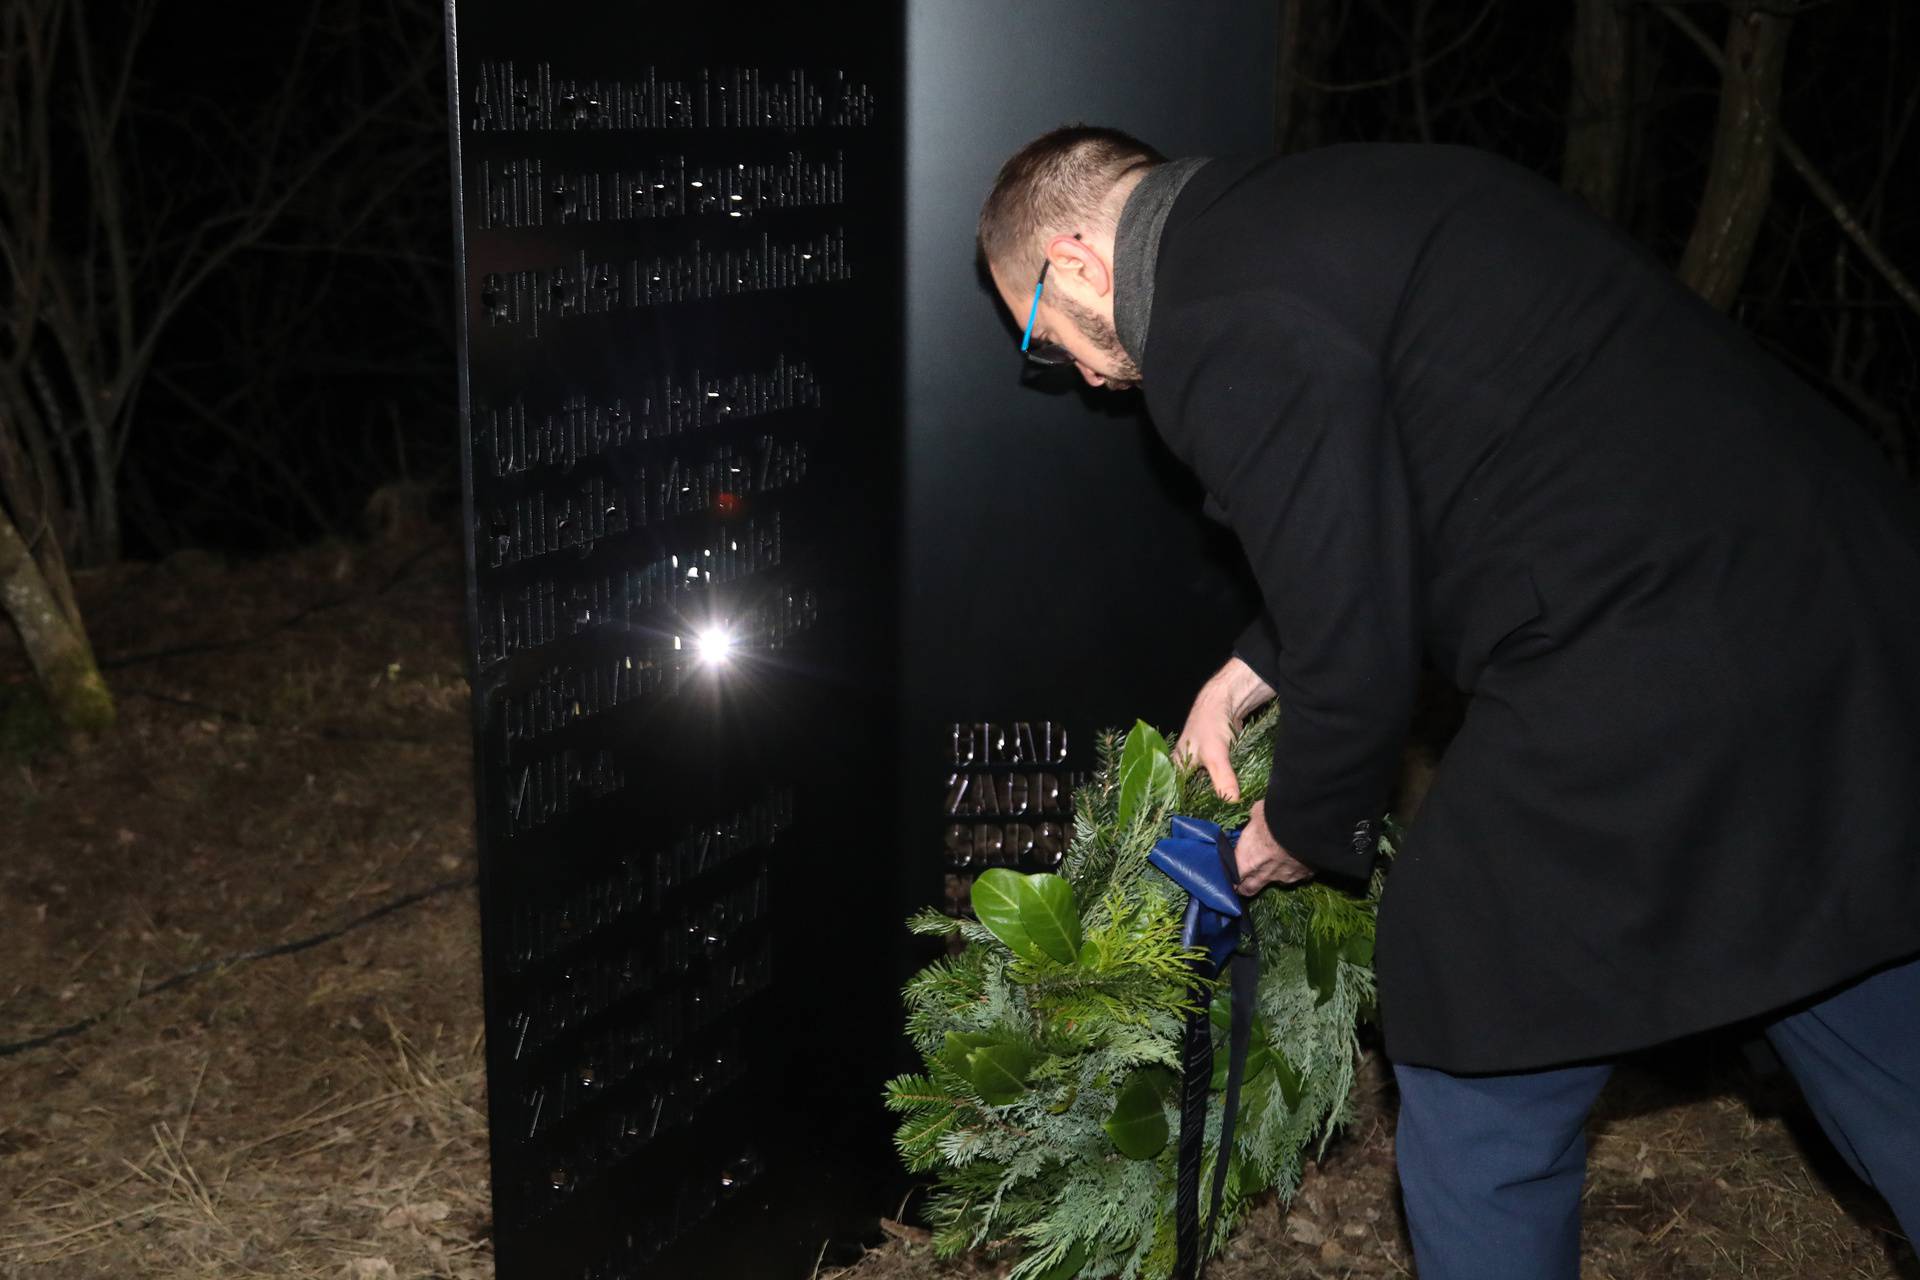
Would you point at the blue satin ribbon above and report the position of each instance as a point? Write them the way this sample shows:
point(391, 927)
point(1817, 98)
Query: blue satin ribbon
point(1198, 856)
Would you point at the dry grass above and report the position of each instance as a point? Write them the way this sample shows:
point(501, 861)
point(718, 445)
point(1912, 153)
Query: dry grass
point(318, 1115)
point(383, 1175)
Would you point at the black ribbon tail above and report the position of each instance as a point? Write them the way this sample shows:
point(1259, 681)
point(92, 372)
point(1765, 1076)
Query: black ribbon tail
point(1191, 1244)
point(1196, 1076)
point(1244, 976)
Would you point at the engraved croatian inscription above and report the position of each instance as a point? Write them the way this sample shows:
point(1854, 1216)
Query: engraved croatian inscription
point(578, 515)
point(693, 939)
point(667, 268)
point(529, 193)
point(562, 918)
point(525, 618)
point(506, 98)
point(623, 1033)
point(1021, 810)
point(693, 1198)
point(516, 440)
point(595, 1139)
point(541, 791)
point(589, 288)
point(1021, 742)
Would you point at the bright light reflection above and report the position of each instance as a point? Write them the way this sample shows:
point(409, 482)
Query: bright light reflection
point(714, 645)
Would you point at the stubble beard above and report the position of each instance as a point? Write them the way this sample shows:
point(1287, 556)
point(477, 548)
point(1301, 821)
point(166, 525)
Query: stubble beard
point(1098, 330)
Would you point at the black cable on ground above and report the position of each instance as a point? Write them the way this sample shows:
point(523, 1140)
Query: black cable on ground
point(240, 717)
point(227, 962)
point(297, 616)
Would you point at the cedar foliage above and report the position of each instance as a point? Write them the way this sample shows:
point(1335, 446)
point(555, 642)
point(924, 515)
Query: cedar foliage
point(1048, 1101)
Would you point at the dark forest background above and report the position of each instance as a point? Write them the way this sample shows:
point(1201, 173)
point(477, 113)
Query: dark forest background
point(227, 306)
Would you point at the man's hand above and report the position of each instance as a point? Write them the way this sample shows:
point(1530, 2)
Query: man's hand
point(1224, 701)
point(1262, 860)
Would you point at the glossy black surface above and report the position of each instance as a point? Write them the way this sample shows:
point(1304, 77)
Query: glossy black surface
point(1058, 577)
point(727, 363)
point(679, 233)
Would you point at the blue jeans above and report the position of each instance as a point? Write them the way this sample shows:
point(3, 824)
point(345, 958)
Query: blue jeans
point(1491, 1166)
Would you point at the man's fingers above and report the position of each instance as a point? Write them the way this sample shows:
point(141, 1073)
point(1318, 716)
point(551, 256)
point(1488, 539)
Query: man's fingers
point(1252, 882)
point(1211, 751)
point(1253, 878)
point(1220, 770)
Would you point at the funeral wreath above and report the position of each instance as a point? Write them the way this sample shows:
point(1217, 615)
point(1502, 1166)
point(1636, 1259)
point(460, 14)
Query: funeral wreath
point(1053, 1038)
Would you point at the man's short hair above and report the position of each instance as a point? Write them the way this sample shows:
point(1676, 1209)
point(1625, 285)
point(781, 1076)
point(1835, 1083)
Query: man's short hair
point(1056, 185)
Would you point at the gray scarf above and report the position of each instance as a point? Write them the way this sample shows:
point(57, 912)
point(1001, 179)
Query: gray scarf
point(1136, 250)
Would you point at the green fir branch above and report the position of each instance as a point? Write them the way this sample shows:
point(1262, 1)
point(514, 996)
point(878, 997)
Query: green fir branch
point(1034, 1174)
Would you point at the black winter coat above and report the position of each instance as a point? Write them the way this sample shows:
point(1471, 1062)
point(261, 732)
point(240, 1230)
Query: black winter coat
point(1448, 410)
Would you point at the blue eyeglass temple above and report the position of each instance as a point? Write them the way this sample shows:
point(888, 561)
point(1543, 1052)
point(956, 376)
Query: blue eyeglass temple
point(1034, 310)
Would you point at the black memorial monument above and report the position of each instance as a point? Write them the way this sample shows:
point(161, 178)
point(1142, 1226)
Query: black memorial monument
point(785, 600)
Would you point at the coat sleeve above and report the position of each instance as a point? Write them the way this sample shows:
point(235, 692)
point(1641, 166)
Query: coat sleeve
point(1292, 424)
point(1259, 647)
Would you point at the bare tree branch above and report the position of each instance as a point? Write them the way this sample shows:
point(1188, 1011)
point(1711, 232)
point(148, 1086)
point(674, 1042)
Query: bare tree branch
point(1740, 173)
point(1420, 65)
point(1822, 189)
point(215, 417)
point(1600, 106)
point(1306, 37)
point(1416, 38)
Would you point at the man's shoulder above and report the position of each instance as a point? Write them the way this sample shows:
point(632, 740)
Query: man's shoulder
point(1312, 173)
point(1319, 243)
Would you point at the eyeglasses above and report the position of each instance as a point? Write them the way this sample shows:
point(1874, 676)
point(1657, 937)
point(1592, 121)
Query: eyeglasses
point(1048, 355)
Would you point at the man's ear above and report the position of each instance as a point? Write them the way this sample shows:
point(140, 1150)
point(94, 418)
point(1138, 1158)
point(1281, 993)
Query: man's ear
point(1071, 258)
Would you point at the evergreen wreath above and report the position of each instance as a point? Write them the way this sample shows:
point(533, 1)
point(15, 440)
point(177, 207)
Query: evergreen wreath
point(1052, 1040)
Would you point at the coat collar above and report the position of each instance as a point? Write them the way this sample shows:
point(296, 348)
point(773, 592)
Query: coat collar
point(1136, 250)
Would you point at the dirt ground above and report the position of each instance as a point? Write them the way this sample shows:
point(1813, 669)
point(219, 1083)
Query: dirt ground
point(301, 760)
point(1695, 1170)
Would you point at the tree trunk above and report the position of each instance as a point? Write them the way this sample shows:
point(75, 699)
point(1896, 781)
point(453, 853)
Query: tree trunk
point(103, 533)
point(1298, 107)
point(58, 650)
point(1740, 175)
point(28, 490)
point(1600, 106)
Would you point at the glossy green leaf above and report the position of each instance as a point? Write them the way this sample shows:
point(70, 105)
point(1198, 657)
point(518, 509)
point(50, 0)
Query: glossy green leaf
point(1143, 741)
point(996, 900)
point(1359, 949)
point(1288, 1077)
point(1259, 1058)
point(1163, 785)
point(1138, 1125)
point(999, 1072)
point(1140, 778)
point(1049, 916)
point(1133, 786)
point(1220, 1012)
point(1149, 782)
point(1323, 967)
point(958, 1045)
